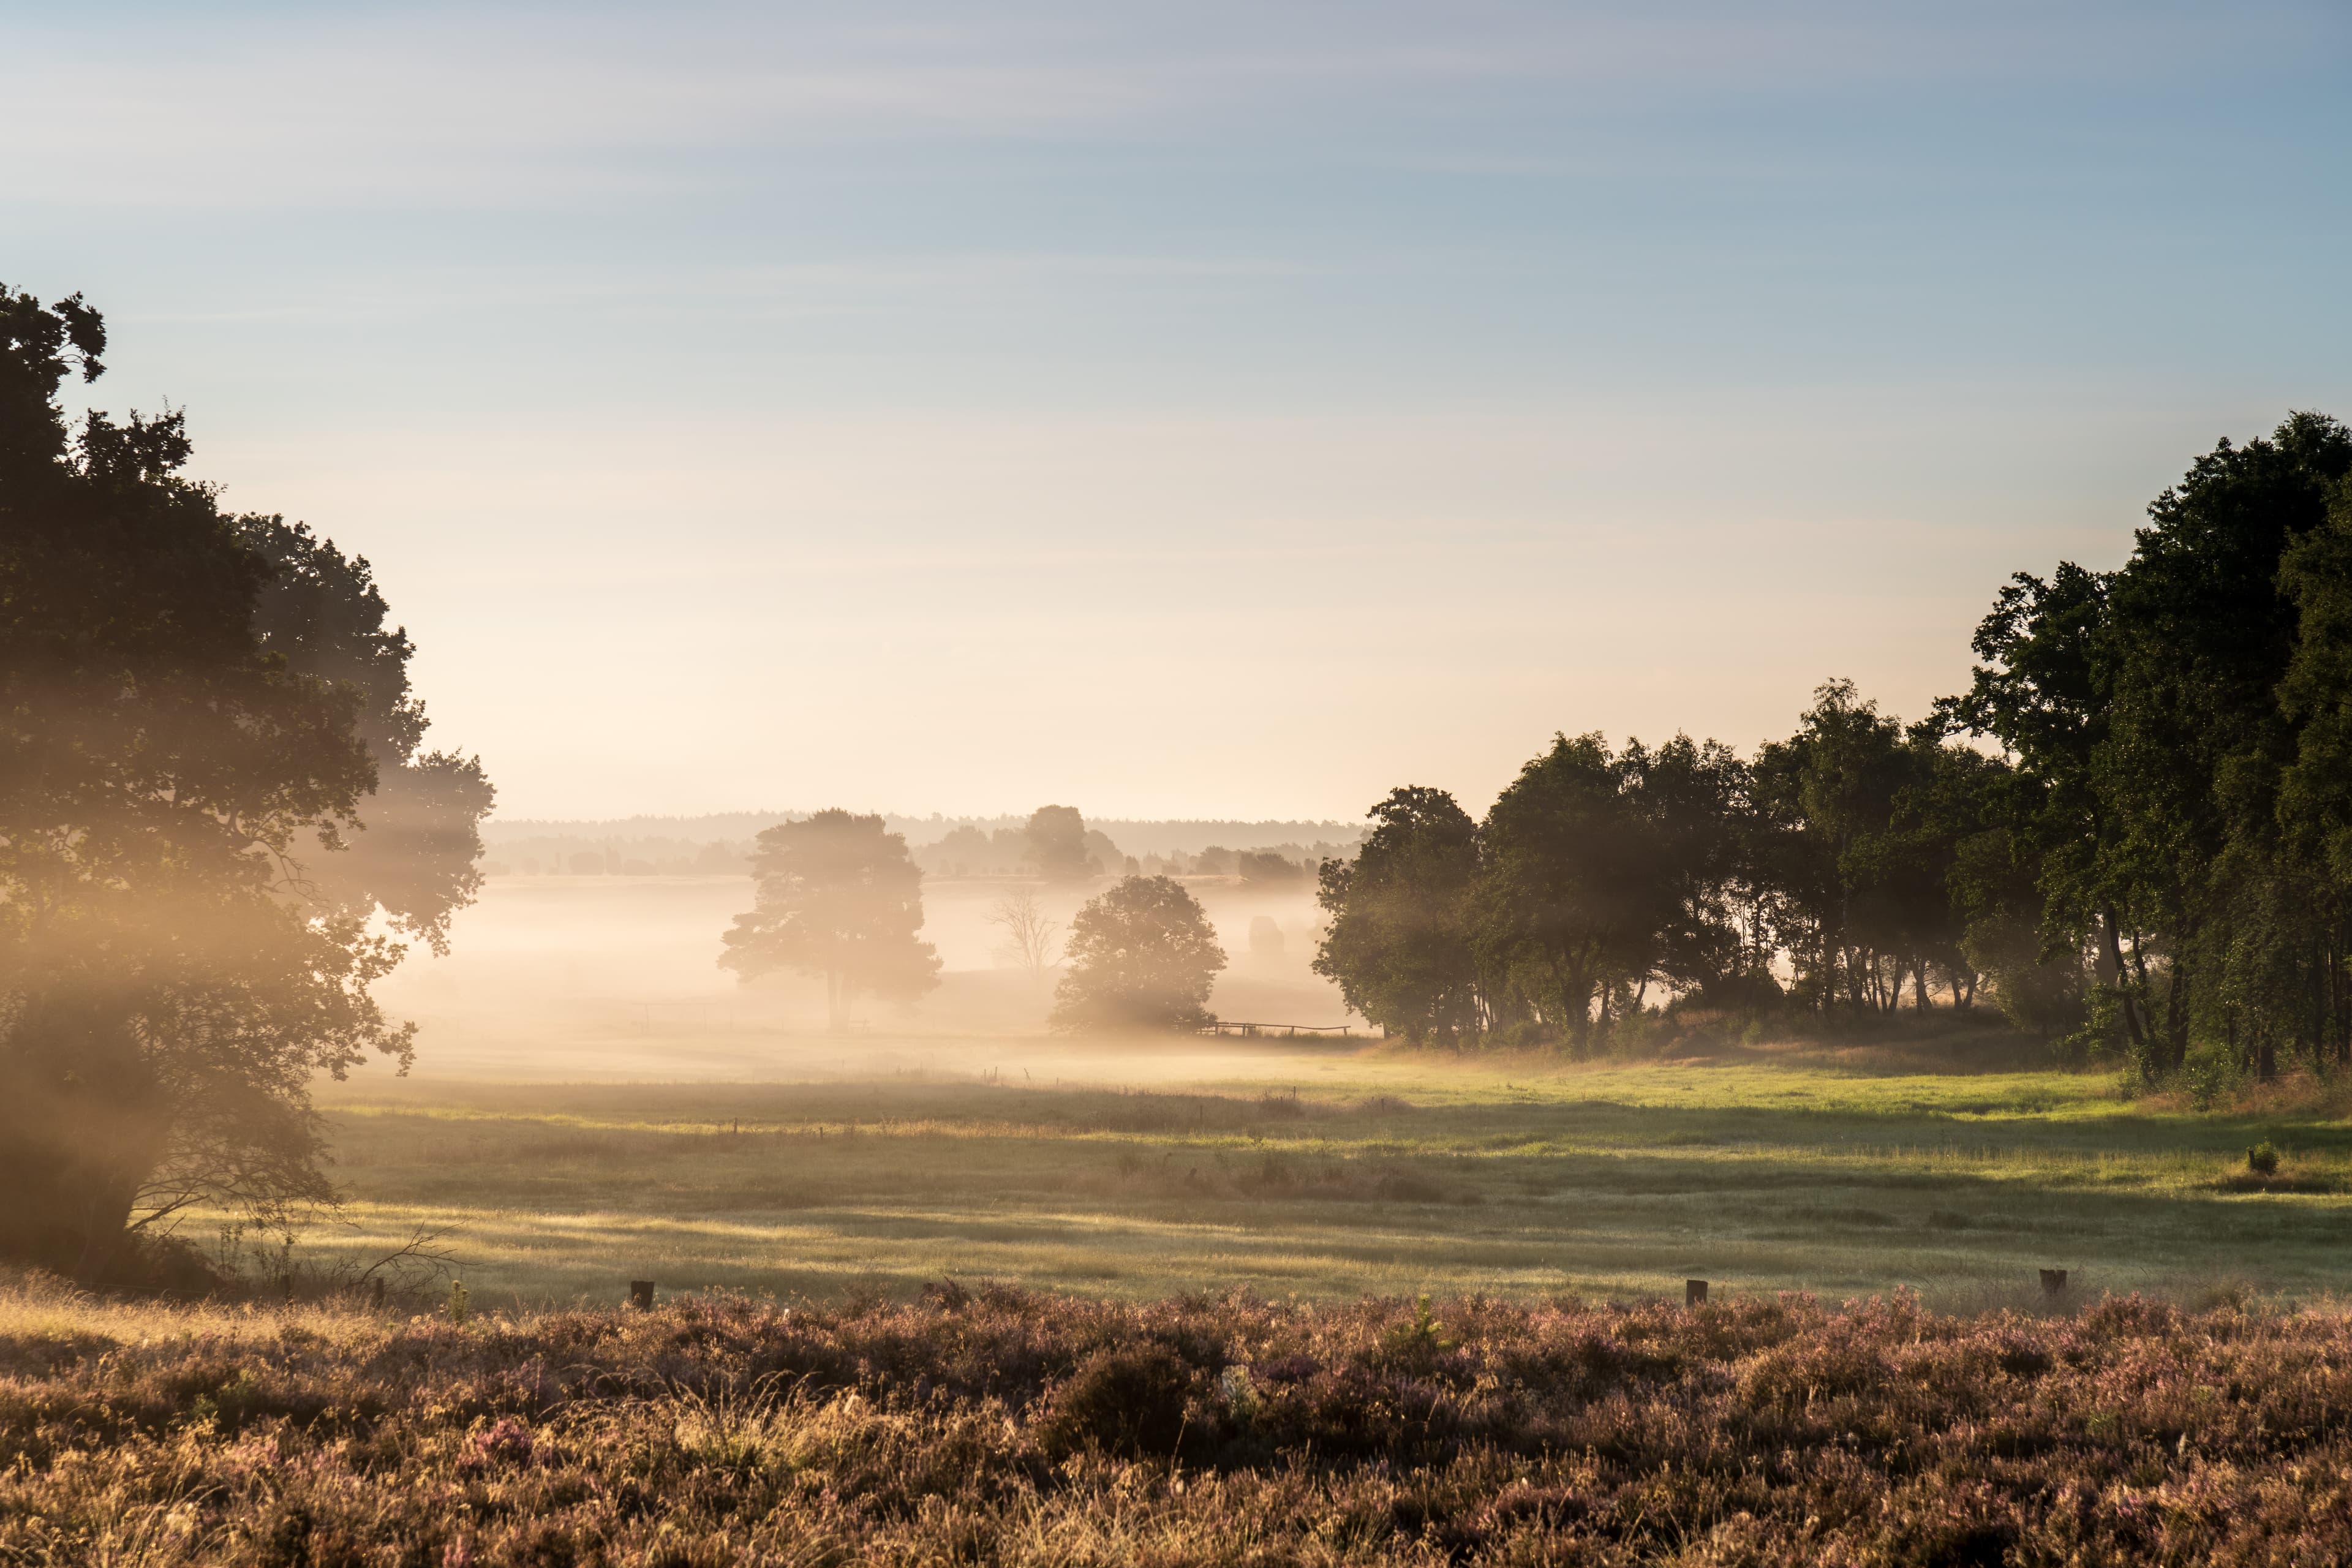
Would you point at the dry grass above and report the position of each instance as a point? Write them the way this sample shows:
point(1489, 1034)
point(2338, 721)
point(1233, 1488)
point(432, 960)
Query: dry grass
point(991, 1425)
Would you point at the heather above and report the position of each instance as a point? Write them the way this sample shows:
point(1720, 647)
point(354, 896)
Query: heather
point(992, 1425)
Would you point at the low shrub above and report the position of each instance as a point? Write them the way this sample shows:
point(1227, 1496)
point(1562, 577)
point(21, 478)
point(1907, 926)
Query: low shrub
point(1130, 1402)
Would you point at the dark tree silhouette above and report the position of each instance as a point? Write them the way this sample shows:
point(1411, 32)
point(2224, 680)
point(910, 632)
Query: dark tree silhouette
point(190, 761)
point(835, 895)
point(1398, 944)
point(1142, 955)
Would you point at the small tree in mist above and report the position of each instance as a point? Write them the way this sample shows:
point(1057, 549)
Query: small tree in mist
point(838, 896)
point(1143, 956)
point(203, 719)
point(1029, 935)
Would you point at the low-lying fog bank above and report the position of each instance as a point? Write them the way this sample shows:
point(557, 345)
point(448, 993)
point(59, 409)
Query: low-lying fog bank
point(594, 976)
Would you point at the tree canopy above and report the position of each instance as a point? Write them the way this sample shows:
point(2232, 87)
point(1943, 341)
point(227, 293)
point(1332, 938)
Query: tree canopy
point(835, 895)
point(2175, 724)
point(1141, 955)
point(188, 926)
point(1399, 942)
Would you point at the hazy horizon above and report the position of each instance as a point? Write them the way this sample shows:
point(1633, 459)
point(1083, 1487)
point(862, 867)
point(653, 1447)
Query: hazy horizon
point(1223, 412)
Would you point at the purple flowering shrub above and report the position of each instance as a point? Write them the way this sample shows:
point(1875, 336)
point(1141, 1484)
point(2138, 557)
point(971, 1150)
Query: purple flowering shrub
point(989, 1425)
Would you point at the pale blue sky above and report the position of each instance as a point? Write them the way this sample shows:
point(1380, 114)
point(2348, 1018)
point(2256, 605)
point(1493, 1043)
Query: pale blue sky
point(1184, 409)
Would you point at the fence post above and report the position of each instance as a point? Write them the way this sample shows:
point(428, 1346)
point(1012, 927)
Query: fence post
point(641, 1294)
point(1694, 1293)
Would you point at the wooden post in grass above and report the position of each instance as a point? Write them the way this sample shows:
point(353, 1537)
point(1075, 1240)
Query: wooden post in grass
point(1694, 1293)
point(2053, 1281)
point(641, 1294)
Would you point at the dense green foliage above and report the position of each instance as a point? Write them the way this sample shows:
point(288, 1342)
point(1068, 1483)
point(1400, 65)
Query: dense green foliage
point(203, 719)
point(835, 894)
point(1141, 955)
point(991, 1425)
point(1399, 944)
point(2158, 862)
point(2178, 728)
point(1839, 869)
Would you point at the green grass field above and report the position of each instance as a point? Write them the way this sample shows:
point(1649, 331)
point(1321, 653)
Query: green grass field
point(1341, 1173)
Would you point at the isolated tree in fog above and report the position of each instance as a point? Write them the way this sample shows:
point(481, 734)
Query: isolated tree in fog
point(1399, 943)
point(1142, 955)
point(189, 762)
point(835, 895)
point(1055, 843)
point(1030, 937)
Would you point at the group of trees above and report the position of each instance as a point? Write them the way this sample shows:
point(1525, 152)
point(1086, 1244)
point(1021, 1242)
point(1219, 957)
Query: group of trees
point(219, 824)
point(1832, 869)
point(2181, 737)
point(838, 896)
point(1054, 845)
point(2132, 831)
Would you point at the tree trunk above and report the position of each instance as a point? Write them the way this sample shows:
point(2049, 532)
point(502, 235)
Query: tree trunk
point(2115, 962)
point(2335, 1000)
point(82, 1123)
point(2175, 1014)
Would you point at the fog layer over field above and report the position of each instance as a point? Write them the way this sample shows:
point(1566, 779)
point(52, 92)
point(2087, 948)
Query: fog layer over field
point(599, 976)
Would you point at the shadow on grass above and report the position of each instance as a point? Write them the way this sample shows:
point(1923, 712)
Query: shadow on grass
point(801, 1187)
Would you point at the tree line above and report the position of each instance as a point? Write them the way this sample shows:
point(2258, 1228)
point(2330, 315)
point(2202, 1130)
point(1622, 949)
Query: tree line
point(2132, 831)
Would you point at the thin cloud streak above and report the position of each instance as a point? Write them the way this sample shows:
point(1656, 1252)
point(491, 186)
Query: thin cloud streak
point(454, 109)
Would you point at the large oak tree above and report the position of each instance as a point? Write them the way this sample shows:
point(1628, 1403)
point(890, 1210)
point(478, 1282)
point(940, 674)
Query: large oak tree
point(200, 715)
point(835, 894)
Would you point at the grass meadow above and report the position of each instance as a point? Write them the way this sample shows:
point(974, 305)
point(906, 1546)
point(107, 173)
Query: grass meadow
point(1953, 1164)
point(996, 1301)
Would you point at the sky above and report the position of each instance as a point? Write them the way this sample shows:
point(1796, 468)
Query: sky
point(1193, 410)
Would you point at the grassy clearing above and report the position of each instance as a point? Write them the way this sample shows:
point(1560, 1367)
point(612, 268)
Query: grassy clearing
point(1334, 1174)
